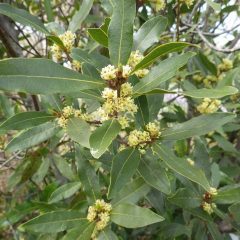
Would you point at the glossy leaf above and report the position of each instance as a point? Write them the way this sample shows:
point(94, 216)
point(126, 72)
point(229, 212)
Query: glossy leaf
point(149, 33)
point(42, 76)
point(154, 175)
point(124, 165)
point(80, 15)
point(55, 222)
point(181, 166)
point(164, 71)
point(120, 33)
point(211, 93)
point(228, 195)
point(197, 126)
point(133, 216)
point(131, 192)
point(79, 131)
point(23, 17)
point(65, 191)
point(160, 51)
point(25, 120)
point(87, 175)
point(103, 136)
point(32, 137)
point(83, 232)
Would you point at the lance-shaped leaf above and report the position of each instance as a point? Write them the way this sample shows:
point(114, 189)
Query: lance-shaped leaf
point(32, 137)
point(161, 73)
point(26, 120)
point(211, 93)
point(154, 175)
point(79, 131)
point(107, 234)
point(42, 76)
point(160, 51)
point(228, 195)
point(87, 175)
point(120, 33)
point(54, 222)
point(124, 165)
point(23, 17)
point(181, 166)
point(100, 35)
point(80, 15)
point(103, 136)
point(132, 192)
point(235, 211)
point(197, 126)
point(149, 33)
point(83, 232)
point(186, 198)
point(133, 216)
point(65, 191)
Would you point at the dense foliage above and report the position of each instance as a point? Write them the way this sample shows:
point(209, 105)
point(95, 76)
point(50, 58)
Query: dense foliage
point(119, 120)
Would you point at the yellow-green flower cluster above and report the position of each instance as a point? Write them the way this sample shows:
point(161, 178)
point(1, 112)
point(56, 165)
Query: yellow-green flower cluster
point(189, 3)
point(68, 112)
point(76, 65)
point(225, 66)
point(67, 39)
point(190, 161)
point(209, 106)
point(213, 191)
point(135, 58)
point(208, 207)
point(158, 4)
point(141, 139)
point(99, 212)
point(121, 108)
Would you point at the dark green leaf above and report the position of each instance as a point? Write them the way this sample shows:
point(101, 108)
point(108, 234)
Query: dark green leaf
point(32, 137)
point(124, 165)
point(103, 136)
point(132, 216)
point(25, 120)
point(120, 33)
point(181, 166)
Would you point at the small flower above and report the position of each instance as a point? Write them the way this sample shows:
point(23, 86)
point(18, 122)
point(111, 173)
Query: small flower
point(68, 39)
point(189, 3)
point(209, 106)
point(142, 73)
point(124, 122)
point(67, 111)
point(213, 191)
point(126, 89)
point(138, 138)
point(109, 72)
point(154, 129)
point(135, 58)
point(190, 161)
point(76, 65)
point(225, 66)
point(126, 70)
point(198, 78)
point(208, 207)
point(109, 93)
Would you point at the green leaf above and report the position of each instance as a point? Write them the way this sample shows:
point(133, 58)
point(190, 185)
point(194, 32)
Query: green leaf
point(215, 6)
point(160, 51)
point(49, 11)
point(173, 230)
point(103, 136)
point(154, 175)
point(228, 195)
point(181, 166)
point(214, 231)
point(79, 131)
point(149, 33)
point(25, 120)
point(124, 165)
point(80, 15)
point(235, 211)
point(211, 93)
point(32, 137)
point(197, 126)
point(100, 35)
point(83, 232)
point(206, 64)
point(87, 175)
point(142, 116)
point(186, 198)
point(132, 192)
point(164, 71)
point(23, 17)
point(64, 168)
point(133, 216)
point(65, 191)
point(42, 76)
point(107, 234)
point(120, 33)
point(55, 222)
